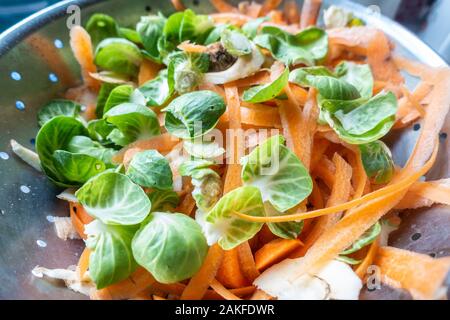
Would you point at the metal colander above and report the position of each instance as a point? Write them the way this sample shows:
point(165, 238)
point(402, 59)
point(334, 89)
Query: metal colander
point(36, 65)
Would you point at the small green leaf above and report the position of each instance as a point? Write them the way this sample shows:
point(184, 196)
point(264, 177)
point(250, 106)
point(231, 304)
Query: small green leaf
point(103, 95)
point(348, 260)
point(307, 47)
point(56, 135)
point(367, 238)
point(114, 199)
point(285, 230)
point(84, 145)
point(99, 130)
point(159, 90)
point(150, 169)
point(216, 33)
point(164, 200)
point(77, 168)
point(130, 35)
point(268, 91)
point(325, 82)
point(101, 26)
point(133, 122)
point(235, 43)
point(170, 246)
point(150, 30)
point(59, 108)
point(111, 259)
point(186, 25)
point(231, 230)
point(250, 29)
point(120, 94)
point(118, 55)
point(358, 75)
point(277, 172)
point(346, 104)
point(194, 114)
point(377, 160)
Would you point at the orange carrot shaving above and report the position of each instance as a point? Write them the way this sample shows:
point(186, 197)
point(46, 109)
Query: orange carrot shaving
point(231, 17)
point(362, 269)
point(230, 273)
point(320, 146)
point(262, 116)
point(433, 191)
point(199, 283)
point(276, 17)
point(420, 274)
point(351, 227)
point(173, 288)
point(247, 262)
point(304, 130)
point(148, 71)
point(325, 170)
point(83, 263)
point(127, 288)
point(239, 292)
point(232, 176)
point(155, 297)
point(291, 12)
point(78, 225)
point(413, 102)
point(80, 42)
point(163, 143)
point(178, 5)
point(186, 46)
point(316, 197)
point(252, 9)
point(392, 189)
point(268, 6)
point(275, 251)
point(340, 193)
point(379, 58)
point(261, 295)
point(298, 94)
point(187, 205)
point(310, 12)
point(222, 291)
point(223, 6)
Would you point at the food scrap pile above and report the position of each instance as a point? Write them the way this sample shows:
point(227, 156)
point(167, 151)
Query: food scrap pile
point(240, 155)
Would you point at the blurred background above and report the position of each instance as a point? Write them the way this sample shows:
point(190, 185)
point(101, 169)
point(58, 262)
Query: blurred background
point(429, 19)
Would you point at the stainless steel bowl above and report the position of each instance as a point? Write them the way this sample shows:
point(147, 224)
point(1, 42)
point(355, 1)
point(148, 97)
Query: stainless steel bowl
point(36, 65)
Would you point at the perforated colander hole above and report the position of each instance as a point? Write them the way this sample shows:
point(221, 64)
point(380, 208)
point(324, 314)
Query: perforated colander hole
point(416, 127)
point(443, 136)
point(20, 105)
point(16, 76)
point(196, 2)
point(53, 77)
point(416, 236)
point(58, 43)
point(148, 8)
point(4, 156)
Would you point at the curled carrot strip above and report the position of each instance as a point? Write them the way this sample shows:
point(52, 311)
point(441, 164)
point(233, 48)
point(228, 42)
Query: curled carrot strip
point(178, 5)
point(199, 283)
point(221, 290)
point(386, 191)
